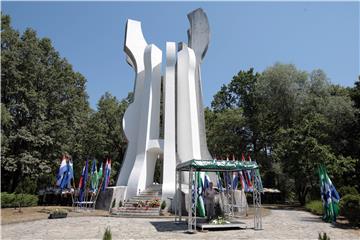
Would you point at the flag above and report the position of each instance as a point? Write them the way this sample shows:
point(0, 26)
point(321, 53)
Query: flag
point(94, 181)
point(242, 180)
point(66, 173)
point(107, 173)
point(100, 175)
point(206, 181)
point(83, 180)
point(62, 170)
point(329, 196)
point(200, 188)
point(219, 183)
point(235, 181)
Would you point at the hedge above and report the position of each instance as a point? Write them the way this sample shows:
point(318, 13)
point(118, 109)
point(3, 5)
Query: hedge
point(9, 200)
point(350, 208)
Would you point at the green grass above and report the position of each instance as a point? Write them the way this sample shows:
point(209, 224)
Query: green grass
point(315, 207)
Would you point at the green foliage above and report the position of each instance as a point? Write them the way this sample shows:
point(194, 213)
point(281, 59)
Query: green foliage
point(107, 234)
point(113, 203)
point(120, 203)
point(44, 107)
point(323, 236)
point(45, 112)
point(163, 205)
point(104, 137)
point(9, 200)
point(290, 121)
point(344, 190)
point(350, 208)
point(315, 207)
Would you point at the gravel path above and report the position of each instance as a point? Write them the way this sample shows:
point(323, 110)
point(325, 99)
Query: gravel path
point(280, 224)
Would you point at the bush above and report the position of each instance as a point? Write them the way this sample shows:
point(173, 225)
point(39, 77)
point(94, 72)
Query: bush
point(163, 205)
point(315, 207)
point(107, 234)
point(350, 208)
point(347, 190)
point(9, 200)
point(323, 236)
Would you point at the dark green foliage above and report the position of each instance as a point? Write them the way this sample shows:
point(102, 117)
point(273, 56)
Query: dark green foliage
point(323, 236)
point(12, 200)
point(344, 190)
point(45, 113)
point(120, 203)
point(315, 207)
point(113, 203)
point(163, 205)
point(290, 121)
point(104, 137)
point(350, 208)
point(44, 107)
point(107, 234)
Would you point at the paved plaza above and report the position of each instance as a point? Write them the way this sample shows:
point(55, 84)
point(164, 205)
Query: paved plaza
point(279, 224)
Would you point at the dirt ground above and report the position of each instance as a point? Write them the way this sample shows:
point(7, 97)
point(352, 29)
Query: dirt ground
point(11, 215)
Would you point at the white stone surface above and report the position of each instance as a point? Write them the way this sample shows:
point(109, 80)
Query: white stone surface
point(142, 118)
point(134, 48)
point(149, 121)
point(168, 186)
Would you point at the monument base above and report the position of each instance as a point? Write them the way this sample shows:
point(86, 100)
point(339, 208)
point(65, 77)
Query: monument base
point(111, 194)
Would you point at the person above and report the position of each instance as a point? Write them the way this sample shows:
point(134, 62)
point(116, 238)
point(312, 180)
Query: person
point(210, 201)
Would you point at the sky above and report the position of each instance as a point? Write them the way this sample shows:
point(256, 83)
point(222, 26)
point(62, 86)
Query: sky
point(90, 35)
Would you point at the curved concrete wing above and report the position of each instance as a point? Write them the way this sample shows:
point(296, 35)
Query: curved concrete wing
point(134, 47)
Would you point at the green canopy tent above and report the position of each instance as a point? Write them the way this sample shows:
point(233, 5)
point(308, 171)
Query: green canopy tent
point(196, 165)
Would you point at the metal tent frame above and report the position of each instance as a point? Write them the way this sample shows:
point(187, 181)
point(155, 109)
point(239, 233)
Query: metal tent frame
point(194, 166)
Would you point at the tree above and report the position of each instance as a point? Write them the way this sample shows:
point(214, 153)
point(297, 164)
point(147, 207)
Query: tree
point(105, 137)
point(296, 120)
point(44, 107)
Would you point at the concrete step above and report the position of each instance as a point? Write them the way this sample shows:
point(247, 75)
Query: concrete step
point(135, 211)
point(146, 197)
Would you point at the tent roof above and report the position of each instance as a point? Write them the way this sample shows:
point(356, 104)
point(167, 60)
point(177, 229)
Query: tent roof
point(216, 165)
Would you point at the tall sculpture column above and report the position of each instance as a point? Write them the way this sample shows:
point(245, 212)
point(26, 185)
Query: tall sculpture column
point(191, 134)
point(168, 189)
point(141, 121)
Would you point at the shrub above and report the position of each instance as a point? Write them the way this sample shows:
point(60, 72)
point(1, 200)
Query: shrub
point(163, 205)
point(323, 236)
point(107, 234)
point(347, 190)
point(315, 207)
point(350, 208)
point(113, 203)
point(9, 200)
point(120, 203)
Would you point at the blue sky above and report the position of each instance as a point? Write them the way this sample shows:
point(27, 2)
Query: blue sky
point(243, 35)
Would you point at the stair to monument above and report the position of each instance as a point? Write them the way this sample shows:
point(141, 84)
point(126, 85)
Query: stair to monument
point(130, 209)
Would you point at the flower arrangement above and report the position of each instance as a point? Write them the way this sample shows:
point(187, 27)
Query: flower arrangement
point(154, 203)
point(58, 213)
point(219, 220)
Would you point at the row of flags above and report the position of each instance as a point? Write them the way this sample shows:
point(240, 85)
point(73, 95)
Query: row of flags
point(329, 196)
point(66, 175)
point(225, 181)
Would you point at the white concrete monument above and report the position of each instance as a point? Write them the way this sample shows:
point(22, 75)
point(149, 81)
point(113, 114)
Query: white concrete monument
point(184, 123)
